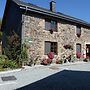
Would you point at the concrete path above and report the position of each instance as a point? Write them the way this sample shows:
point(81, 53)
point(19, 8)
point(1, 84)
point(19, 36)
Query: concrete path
point(54, 77)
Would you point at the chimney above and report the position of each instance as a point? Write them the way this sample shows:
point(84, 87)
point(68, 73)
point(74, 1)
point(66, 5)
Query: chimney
point(53, 6)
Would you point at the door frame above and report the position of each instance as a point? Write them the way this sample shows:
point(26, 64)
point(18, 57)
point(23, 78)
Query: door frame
point(87, 45)
point(85, 48)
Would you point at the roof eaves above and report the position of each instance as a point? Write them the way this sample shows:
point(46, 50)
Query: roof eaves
point(41, 10)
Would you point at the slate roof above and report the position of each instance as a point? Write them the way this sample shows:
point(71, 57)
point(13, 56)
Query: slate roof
point(40, 10)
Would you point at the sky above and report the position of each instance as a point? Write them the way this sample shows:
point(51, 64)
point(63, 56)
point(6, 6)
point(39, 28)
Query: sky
point(76, 8)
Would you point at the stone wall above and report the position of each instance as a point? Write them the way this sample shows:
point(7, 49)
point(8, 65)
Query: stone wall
point(85, 39)
point(34, 34)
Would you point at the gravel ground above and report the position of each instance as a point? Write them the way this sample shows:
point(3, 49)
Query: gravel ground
point(54, 77)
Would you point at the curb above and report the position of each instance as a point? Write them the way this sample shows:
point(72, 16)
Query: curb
point(5, 72)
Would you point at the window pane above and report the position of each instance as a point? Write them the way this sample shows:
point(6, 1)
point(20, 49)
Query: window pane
point(50, 47)
point(54, 47)
point(50, 24)
point(47, 47)
point(78, 48)
point(78, 30)
point(47, 25)
point(54, 25)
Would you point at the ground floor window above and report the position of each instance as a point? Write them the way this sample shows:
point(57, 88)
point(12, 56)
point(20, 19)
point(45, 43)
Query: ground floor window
point(50, 47)
point(78, 50)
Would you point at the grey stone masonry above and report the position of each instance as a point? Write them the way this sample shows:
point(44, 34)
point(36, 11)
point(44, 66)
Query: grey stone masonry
point(34, 35)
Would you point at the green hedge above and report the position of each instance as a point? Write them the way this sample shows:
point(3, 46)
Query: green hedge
point(5, 63)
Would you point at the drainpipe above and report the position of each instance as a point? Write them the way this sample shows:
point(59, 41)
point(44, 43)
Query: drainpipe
point(26, 9)
point(23, 23)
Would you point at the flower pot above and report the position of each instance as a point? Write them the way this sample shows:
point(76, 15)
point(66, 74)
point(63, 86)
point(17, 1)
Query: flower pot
point(51, 31)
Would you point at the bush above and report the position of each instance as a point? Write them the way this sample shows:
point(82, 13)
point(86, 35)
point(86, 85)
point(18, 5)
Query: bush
point(46, 61)
point(6, 63)
point(59, 61)
point(12, 64)
point(3, 61)
point(24, 54)
point(86, 60)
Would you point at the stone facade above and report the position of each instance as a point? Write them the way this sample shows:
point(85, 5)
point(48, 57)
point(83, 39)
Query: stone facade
point(35, 35)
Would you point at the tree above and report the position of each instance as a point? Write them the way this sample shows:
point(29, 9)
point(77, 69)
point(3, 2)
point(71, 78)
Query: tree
point(13, 48)
point(0, 23)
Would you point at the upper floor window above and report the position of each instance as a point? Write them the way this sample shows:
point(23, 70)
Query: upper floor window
point(78, 31)
point(51, 24)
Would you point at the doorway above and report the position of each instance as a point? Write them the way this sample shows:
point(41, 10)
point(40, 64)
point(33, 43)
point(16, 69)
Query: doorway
point(88, 50)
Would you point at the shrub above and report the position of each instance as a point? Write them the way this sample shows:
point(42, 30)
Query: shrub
point(13, 49)
point(12, 64)
point(6, 63)
point(3, 61)
point(87, 59)
point(46, 61)
point(24, 54)
point(59, 61)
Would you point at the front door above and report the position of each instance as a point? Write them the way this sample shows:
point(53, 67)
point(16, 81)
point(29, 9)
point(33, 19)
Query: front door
point(88, 50)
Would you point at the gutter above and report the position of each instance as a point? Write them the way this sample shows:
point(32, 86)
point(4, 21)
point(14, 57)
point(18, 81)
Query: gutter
point(56, 15)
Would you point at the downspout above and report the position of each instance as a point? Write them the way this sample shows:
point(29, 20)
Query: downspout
point(23, 24)
point(22, 32)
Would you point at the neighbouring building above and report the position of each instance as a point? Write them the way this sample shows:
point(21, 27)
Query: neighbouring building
point(45, 30)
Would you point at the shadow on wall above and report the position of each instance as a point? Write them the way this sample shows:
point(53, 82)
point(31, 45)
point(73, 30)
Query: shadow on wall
point(64, 80)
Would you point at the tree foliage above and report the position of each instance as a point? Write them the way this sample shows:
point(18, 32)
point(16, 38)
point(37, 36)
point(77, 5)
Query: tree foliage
point(24, 55)
point(0, 22)
point(0, 29)
point(13, 48)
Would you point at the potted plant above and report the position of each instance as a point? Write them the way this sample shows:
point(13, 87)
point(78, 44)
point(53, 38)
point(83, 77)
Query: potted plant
point(78, 35)
point(51, 31)
point(68, 46)
point(51, 55)
point(46, 61)
point(78, 54)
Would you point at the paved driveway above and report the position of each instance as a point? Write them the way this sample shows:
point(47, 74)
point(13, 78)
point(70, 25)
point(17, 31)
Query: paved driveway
point(54, 77)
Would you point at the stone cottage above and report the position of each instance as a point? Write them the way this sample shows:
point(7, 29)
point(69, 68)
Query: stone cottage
point(45, 30)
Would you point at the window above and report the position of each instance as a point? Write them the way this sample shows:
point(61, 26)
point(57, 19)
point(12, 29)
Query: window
point(78, 50)
point(50, 24)
point(50, 47)
point(78, 31)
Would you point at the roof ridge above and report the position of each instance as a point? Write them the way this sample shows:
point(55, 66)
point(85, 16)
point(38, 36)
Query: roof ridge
point(28, 4)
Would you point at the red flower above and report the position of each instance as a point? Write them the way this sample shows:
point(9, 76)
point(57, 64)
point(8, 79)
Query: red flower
point(51, 55)
point(45, 62)
point(78, 54)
